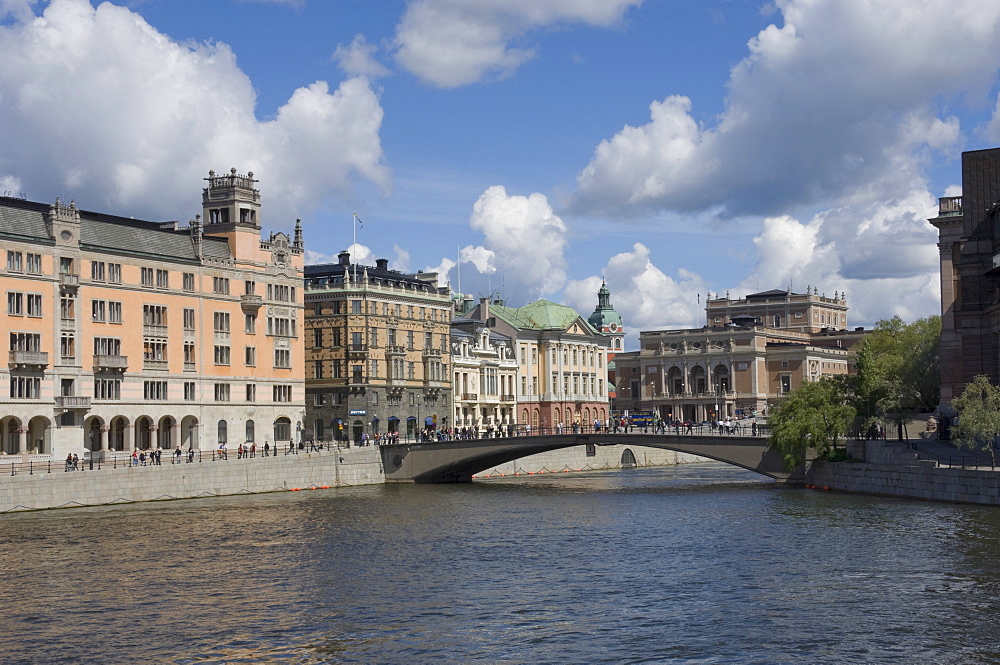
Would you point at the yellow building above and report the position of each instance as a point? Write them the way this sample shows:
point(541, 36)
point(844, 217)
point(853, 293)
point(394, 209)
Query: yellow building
point(127, 334)
point(377, 347)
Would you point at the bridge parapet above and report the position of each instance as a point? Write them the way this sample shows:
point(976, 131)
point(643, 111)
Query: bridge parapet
point(458, 461)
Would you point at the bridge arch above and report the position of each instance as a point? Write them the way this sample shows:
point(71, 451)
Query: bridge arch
point(458, 461)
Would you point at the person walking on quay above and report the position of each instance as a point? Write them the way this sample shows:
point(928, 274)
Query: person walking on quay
point(190, 455)
point(69, 461)
point(135, 458)
point(267, 449)
point(312, 442)
point(142, 458)
point(239, 452)
point(177, 456)
point(253, 449)
point(159, 456)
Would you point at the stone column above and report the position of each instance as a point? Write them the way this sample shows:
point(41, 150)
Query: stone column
point(21, 448)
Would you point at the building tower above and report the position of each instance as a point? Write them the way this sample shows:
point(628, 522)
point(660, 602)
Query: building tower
point(607, 321)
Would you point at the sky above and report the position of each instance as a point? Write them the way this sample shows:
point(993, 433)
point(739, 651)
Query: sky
point(529, 148)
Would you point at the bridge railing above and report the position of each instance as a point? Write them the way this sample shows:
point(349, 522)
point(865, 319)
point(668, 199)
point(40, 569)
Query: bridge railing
point(735, 428)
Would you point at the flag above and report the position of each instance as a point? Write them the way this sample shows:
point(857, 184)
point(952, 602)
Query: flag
point(360, 223)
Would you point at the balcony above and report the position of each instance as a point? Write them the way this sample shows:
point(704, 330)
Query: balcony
point(68, 281)
point(357, 350)
point(154, 364)
point(106, 363)
point(470, 397)
point(508, 398)
point(395, 350)
point(251, 303)
point(29, 359)
point(67, 324)
point(69, 402)
point(154, 331)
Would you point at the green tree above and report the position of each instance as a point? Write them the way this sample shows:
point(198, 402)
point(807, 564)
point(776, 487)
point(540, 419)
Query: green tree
point(813, 416)
point(978, 409)
point(898, 371)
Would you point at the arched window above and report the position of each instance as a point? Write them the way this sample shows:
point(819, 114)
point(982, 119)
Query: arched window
point(777, 320)
point(223, 432)
point(250, 431)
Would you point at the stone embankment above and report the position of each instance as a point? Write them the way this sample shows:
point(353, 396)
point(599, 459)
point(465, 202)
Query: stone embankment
point(46, 486)
point(895, 469)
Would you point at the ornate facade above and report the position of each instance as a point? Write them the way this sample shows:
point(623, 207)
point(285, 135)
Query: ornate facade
point(755, 350)
point(485, 375)
point(377, 350)
point(127, 334)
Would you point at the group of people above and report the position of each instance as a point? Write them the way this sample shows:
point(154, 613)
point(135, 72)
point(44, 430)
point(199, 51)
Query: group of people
point(72, 462)
point(140, 458)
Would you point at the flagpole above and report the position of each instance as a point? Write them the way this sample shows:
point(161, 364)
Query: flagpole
point(354, 223)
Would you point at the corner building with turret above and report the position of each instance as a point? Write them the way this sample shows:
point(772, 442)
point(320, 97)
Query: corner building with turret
point(136, 335)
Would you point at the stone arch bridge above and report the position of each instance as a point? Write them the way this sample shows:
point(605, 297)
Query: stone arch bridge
point(458, 461)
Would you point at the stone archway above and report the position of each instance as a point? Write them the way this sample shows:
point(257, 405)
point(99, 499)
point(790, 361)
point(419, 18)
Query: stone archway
point(144, 433)
point(38, 436)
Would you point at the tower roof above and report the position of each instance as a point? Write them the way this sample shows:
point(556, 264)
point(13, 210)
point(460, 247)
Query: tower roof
point(604, 314)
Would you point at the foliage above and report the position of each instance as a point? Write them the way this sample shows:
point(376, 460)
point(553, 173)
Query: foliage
point(898, 371)
point(814, 415)
point(978, 410)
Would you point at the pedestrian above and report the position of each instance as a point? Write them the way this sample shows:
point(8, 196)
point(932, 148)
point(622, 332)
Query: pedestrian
point(190, 455)
point(267, 449)
point(177, 456)
point(135, 458)
point(76, 462)
point(239, 452)
point(142, 458)
point(159, 456)
point(69, 461)
point(253, 449)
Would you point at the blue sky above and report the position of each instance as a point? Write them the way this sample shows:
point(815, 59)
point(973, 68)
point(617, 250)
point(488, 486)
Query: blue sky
point(673, 148)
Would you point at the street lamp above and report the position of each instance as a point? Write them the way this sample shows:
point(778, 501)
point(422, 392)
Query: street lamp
point(298, 435)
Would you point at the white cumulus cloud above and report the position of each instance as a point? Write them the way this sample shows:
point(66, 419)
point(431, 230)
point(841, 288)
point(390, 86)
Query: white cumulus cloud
point(450, 43)
point(358, 58)
point(120, 117)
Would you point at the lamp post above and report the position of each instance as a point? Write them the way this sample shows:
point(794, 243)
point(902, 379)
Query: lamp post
point(91, 449)
point(298, 435)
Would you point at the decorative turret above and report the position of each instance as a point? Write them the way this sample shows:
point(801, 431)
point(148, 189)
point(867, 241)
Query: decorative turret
point(231, 200)
point(64, 224)
point(606, 320)
point(297, 242)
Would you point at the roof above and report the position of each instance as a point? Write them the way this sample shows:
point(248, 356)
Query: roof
point(540, 315)
point(109, 233)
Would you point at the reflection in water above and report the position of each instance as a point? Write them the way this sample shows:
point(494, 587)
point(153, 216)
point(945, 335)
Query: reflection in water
point(694, 564)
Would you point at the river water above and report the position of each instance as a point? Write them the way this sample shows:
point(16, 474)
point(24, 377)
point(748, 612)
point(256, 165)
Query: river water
point(692, 564)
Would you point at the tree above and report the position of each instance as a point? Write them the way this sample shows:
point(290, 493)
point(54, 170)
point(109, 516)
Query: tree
point(813, 416)
point(898, 371)
point(978, 424)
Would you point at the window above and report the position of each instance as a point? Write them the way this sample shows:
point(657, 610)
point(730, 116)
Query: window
point(97, 271)
point(154, 390)
point(317, 338)
point(67, 348)
point(374, 368)
point(154, 351)
point(107, 346)
point(250, 356)
point(188, 281)
point(107, 388)
point(786, 384)
point(189, 391)
point(318, 369)
point(221, 392)
point(373, 338)
point(220, 322)
point(189, 355)
point(188, 319)
point(220, 285)
point(249, 286)
point(409, 340)
point(250, 324)
point(98, 311)
point(282, 358)
point(163, 279)
point(114, 311)
point(15, 261)
point(25, 387)
point(222, 355)
point(34, 304)
point(282, 393)
point(147, 276)
point(355, 307)
point(280, 327)
point(317, 309)
point(154, 315)
point(15, 303)
point(66, 266)
point(25, 342)
point(115, 273)
point(251, 392)
point(777, 320)
point(34, 264)
point(250, 431)
point(223, 432)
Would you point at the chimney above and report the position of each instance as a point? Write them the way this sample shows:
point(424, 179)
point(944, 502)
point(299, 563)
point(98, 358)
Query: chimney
point(484, 309)
point(345, 258)
point(382, 264)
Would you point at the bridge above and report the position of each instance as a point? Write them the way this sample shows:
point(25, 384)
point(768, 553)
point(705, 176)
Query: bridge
point(457, 461)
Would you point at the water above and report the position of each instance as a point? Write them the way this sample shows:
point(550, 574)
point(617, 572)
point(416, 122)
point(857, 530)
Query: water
point(693, 564)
